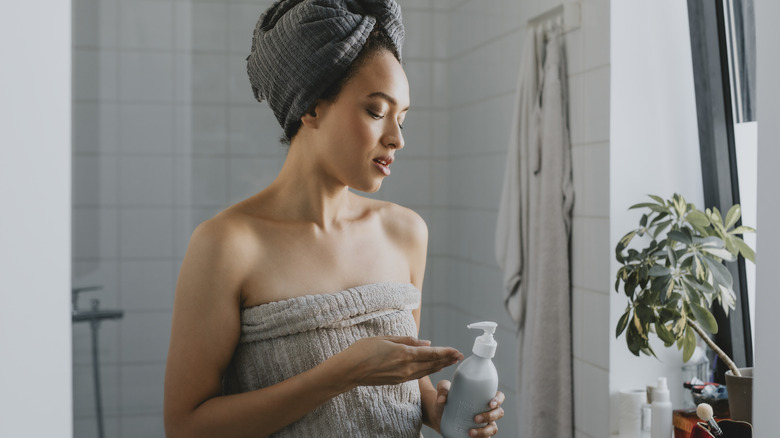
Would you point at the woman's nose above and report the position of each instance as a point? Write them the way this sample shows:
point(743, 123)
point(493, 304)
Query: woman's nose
point(395, 138)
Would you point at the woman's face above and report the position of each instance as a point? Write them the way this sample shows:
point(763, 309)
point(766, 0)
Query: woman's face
point(361, 127)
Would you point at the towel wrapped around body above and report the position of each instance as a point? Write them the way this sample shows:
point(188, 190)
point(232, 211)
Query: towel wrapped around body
point(282, 339)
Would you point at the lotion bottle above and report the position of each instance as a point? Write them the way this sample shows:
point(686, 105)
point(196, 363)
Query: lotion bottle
point(661, 411)
point(473, 387)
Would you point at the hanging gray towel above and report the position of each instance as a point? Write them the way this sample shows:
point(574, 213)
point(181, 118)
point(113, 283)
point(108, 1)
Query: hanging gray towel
point(532, 239)
point(511, 231)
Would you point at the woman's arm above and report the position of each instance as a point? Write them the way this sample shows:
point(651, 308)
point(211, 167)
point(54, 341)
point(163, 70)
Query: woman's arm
point(204, 335)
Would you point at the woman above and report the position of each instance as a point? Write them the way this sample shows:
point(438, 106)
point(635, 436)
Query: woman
point(297, 310)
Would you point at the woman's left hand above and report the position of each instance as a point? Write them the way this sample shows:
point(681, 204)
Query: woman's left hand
point(490, 417)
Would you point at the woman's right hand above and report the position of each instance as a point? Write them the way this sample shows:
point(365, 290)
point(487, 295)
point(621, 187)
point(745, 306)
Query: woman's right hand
point(388, 360)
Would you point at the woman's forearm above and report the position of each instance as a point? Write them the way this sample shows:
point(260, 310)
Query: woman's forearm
point(263, 411)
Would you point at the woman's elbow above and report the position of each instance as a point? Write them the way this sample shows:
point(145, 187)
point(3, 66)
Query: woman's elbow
point(178, 426)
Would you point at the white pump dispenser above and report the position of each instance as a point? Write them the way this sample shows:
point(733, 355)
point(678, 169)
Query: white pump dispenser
point(485, 345)
point(475, 383)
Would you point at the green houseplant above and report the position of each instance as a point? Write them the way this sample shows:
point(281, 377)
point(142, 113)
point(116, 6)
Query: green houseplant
point(673, 281)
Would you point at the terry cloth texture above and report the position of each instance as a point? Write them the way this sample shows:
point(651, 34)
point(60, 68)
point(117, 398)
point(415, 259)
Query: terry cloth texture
point(301, 47)
point(282, 339)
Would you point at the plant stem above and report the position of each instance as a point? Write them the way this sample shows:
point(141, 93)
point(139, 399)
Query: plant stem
point(723, 356)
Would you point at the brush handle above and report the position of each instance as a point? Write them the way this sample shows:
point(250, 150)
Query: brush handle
point(715, 430)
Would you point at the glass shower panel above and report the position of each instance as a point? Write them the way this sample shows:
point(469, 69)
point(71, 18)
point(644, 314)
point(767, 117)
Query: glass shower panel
point(166, 133)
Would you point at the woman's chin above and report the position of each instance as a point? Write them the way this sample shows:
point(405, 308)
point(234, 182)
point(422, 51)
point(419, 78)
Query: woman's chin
point(368, 188)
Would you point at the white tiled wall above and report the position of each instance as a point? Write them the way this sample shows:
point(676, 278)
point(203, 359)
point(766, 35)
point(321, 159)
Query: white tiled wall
point(589, 81)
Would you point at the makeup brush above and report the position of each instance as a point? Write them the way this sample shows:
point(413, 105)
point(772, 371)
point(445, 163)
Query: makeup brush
point(704, 411)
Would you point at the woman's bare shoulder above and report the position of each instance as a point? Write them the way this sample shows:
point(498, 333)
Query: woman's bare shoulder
point(227, 229)
point(228, 238)
point(403, 225)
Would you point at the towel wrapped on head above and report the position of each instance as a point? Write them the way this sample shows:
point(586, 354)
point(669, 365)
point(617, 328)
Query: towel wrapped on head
point(301, 47)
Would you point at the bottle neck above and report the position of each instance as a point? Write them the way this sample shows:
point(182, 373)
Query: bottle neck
point(477, 357)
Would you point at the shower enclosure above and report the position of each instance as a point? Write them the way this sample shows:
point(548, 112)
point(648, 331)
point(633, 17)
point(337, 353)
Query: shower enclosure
point(166, 133)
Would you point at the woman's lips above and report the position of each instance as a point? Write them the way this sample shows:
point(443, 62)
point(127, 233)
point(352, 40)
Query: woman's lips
point(382, 165)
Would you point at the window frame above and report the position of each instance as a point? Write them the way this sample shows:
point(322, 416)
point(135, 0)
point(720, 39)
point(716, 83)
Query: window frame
point(715, 113)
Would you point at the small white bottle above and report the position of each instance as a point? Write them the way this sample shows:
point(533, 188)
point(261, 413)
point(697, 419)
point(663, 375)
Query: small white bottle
point(475, 383)
point(661, 411)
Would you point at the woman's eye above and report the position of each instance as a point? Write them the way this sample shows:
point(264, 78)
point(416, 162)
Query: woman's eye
point(376, 115)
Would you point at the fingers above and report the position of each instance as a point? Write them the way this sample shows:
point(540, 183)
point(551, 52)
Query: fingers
point(422, 369)
point(396, 359)
point(498, 400)
point(432, 354)
point(408, 340)
point(489, 430)
point(492, 415)
point(425, 354)
point(442, 391)
point(429, 360)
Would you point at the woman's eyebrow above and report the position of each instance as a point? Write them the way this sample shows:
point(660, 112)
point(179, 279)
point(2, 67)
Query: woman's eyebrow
point(387, 97)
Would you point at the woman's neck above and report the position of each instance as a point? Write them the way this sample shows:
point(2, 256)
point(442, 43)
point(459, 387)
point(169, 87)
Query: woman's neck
point(302, 192)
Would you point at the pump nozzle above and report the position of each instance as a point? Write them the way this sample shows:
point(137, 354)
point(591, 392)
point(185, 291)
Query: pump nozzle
point(485, 345)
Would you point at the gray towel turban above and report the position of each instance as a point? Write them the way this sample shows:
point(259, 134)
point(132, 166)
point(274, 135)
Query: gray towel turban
point(301, 47)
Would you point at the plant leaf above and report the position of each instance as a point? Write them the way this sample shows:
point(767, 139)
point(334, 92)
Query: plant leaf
point(664, 334)
point(727, 298)
point(679, 236)
point(742, 229)
point(672, 256)
point(746, 251)
point(721, 253)
point(659, 271)
point(709, 242)
point(658, 217)
point(627, 238)
point(638, 326)
point(732, 216)
point(660, 283)
point(720, 273)
point(666, 293)
point(690, 293)
point(697, 218)
point(622, 323)
point(661, 227)
point(699, 267)
point(645, 315)
point(716, 215)
point(703, 287)
point(643, 205)
point(633, 340)
point(689, 344)
point(648, 350)
point(704, 318)
point(658, 199)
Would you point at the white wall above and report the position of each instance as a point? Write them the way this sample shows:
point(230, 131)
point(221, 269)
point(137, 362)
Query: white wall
point(35, 328)
point(642, 99)
point(767, 355)
point(654, 149)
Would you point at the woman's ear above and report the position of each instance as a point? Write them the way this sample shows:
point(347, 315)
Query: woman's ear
point(310, 117)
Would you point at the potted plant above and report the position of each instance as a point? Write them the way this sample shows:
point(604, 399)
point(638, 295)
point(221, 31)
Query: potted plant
point(672, 282)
